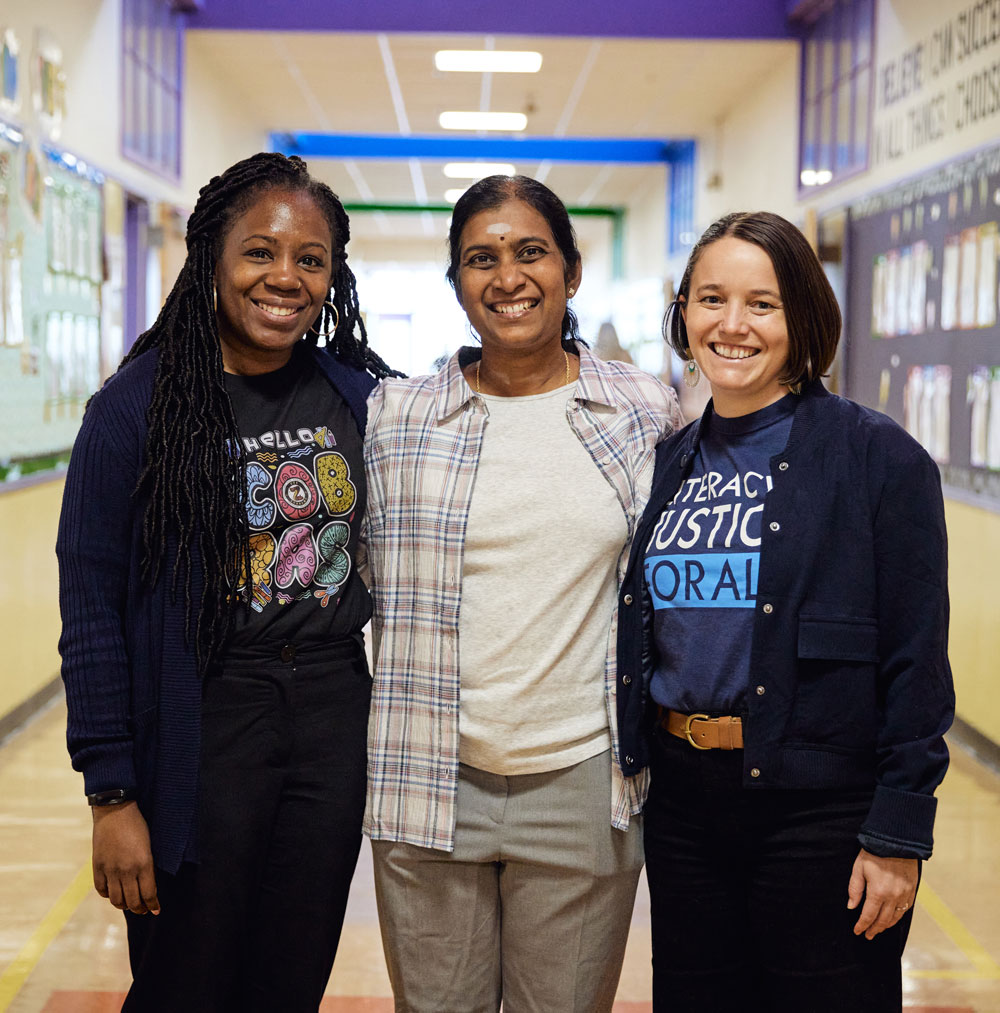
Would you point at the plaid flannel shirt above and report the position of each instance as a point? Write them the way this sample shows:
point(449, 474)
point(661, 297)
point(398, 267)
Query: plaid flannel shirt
point(421, 454)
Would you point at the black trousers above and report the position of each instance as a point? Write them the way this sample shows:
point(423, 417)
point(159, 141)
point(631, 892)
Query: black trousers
point(748, 894)
point(254, 925)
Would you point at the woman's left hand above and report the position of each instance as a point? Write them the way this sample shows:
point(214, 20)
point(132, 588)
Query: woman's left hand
point(889, 887)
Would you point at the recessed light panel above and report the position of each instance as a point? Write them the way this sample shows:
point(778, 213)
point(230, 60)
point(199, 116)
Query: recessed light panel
point(492, 61)
point(482, 121)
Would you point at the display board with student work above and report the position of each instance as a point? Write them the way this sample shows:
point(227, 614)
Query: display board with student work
point(53, 290)
point(924, 336)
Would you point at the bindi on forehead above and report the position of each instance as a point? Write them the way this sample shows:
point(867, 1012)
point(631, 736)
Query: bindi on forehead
point(498, 229)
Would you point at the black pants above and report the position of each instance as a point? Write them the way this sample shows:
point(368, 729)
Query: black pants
point(748, 894)
point(254, 926)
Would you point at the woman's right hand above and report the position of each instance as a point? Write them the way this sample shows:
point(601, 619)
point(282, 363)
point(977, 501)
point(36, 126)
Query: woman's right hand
point(123, 859)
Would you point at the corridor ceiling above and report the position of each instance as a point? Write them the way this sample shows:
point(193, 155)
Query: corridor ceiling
point(350, 83)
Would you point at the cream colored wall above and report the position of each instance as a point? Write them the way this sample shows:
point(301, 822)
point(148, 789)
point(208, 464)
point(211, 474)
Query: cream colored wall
point(747, 161)
point(219, 123)
point(974, 644)
point(29, 606)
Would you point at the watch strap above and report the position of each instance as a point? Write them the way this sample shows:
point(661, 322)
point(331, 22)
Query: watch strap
point(114, 796)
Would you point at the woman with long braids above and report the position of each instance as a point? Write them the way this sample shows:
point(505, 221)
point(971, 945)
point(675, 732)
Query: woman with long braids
point(212, 611)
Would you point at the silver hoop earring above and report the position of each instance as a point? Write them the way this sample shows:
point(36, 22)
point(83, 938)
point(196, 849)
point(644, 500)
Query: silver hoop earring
point(336, 322)
point(215, 299)
point(692, 374)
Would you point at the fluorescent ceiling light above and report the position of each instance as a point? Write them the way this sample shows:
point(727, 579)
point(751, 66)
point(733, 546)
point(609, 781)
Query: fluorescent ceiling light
point(483, 121)
point(477, 170)
point(494, 61)
point(451, 196)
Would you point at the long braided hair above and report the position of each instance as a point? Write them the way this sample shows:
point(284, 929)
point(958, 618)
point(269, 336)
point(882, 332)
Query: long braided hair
point(194, 479)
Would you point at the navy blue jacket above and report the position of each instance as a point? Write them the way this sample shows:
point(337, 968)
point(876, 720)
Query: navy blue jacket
point(132, 687)
point(850, 685)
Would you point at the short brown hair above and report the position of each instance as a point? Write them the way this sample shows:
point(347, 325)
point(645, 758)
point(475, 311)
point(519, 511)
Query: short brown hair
point(811, 310)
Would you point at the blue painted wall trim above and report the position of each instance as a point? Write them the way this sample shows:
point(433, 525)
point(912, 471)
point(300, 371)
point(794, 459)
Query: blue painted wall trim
point(678, 155)
point(660, 19)
point(446, 146)
point(680, 200)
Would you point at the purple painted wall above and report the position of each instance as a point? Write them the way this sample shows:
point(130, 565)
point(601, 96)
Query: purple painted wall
point(667, 19)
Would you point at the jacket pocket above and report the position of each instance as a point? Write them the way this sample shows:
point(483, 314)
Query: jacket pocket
point(838, 638)
point(835, 705)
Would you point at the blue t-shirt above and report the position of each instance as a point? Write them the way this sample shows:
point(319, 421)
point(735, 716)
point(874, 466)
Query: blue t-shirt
point(703, 560)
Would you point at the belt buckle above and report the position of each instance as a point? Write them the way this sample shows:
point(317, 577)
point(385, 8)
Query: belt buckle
point(687, 729)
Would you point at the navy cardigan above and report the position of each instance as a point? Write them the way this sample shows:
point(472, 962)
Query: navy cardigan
point(132, 687)
point(849, 675)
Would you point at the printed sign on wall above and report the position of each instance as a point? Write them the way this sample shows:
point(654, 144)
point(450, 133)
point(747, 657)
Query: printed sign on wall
point(923, 317)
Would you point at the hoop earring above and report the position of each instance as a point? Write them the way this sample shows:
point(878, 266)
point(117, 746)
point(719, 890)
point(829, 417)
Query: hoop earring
point(215, 300)
point(336, 322)
point(692, 374)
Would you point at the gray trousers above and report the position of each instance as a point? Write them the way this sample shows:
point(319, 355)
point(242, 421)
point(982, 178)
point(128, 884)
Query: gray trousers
point(532, 907)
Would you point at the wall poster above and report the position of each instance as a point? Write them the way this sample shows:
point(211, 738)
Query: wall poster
point(923, 317)
point(51, 282)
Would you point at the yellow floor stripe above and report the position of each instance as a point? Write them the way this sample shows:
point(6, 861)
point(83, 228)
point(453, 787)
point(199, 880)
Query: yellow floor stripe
point(953, 974)
point(16, 973)
point(950, 924)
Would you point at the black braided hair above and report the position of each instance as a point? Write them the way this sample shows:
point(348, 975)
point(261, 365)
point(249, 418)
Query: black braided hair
point(194, 478)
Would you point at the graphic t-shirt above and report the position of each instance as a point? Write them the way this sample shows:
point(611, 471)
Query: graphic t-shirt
point(305, 500)
point(703, 560)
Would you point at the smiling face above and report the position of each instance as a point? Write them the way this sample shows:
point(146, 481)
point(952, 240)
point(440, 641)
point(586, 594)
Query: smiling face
point(272, 277)
point(736, 326)
point(512, 280)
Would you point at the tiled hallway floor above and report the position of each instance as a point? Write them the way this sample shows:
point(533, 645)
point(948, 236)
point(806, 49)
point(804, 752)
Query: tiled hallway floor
point(62, 948)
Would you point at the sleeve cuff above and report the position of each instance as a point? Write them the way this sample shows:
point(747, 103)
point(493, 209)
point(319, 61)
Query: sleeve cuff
point(900, 824)
point(111, 767)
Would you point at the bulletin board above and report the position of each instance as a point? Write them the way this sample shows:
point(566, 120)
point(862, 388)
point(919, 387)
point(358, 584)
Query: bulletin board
point(51, 278)
point(923, 317)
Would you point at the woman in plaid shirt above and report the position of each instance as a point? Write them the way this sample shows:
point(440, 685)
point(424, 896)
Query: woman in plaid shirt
point(503, 495)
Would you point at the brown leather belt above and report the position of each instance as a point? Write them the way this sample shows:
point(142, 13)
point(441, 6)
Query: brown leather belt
point(702, 731)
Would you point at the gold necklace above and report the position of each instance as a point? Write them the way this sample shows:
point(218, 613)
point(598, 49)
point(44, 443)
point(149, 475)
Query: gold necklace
point(480, 359)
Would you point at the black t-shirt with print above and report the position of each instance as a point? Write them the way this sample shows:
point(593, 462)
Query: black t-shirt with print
point(305, 500)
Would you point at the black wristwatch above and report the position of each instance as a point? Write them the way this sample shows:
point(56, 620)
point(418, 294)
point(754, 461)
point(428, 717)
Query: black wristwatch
point(115, 796)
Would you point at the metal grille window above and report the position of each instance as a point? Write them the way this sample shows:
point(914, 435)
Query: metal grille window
point(152, 66)
point(836, 91)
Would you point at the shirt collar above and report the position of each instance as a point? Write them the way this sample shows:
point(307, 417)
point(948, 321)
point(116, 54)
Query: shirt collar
point(453, 391)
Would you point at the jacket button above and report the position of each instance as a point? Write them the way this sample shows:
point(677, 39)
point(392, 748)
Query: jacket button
point(755, 772)
point(768, 608)
point(760, 691)
point(775, 526)
point(626, 680)
point(783, 466)
point(627, 599)
point(630, 759)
